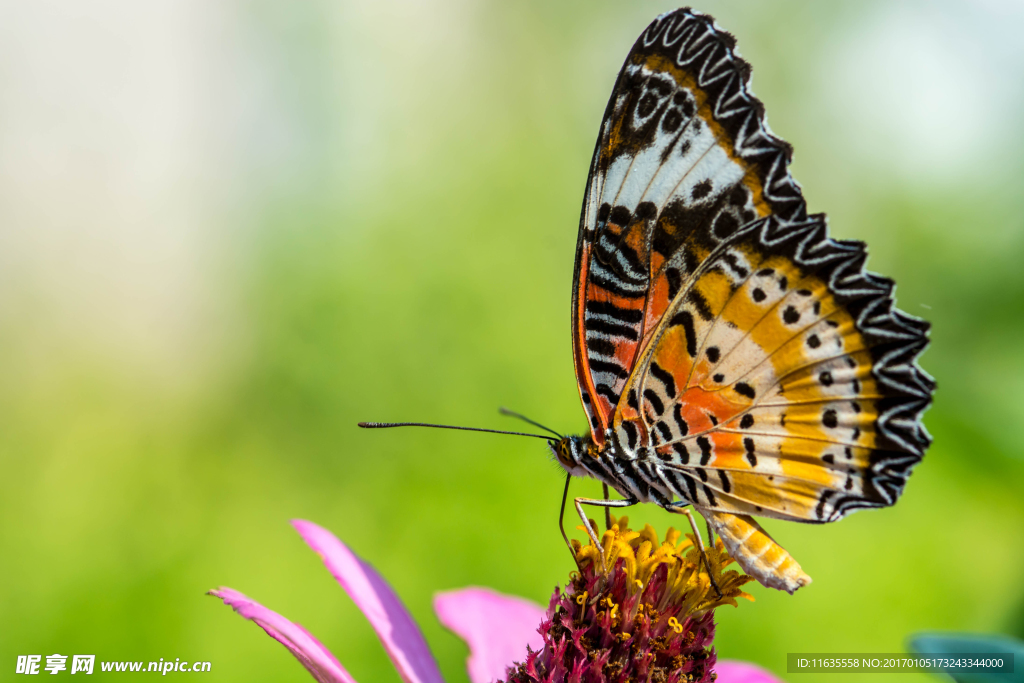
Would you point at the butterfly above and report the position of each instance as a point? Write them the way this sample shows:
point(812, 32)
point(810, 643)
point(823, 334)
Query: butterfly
point(731, 357)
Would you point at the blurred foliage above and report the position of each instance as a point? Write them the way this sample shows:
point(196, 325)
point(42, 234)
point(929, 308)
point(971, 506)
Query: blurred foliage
point(410, 258)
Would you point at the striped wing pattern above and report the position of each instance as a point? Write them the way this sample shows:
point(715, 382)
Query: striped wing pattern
point(744, 359)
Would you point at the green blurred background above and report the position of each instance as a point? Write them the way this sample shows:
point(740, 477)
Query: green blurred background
point(229, 231)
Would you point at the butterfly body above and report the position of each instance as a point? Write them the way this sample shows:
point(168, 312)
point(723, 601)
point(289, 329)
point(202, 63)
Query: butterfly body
point(729, 354)
point(611, 463)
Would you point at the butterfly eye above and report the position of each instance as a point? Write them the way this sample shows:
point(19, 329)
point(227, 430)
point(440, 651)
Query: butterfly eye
point(564, 454)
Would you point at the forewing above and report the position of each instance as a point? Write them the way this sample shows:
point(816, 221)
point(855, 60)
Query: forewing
point(684, 159)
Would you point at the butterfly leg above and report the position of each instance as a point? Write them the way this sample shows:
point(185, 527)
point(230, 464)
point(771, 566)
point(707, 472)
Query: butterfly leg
point(561, 518)
point(685, 509)
point(580, 502)
point(607, 511)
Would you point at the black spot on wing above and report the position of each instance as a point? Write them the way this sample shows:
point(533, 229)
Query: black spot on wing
point(663, 429)
point(725, 225)
point(665, 378)
point(690, 484)
point(697, 300)
point(655, 401)
point(677, 415)
point(819, 511)
point(744, 389)
point(645, 211)
point(685, 319)
point(672, 120)
point(631, 434)
point(710, 494)
point(620, 216)
point(675, 281)
point(705, 449)
point(749, 447)
point(701, 189)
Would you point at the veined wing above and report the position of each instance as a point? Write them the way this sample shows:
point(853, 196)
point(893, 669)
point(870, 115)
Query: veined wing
point(782, 381)
point(684, 159)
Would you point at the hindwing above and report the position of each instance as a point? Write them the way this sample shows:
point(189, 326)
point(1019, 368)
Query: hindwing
point(715, 324)
point(781, 381)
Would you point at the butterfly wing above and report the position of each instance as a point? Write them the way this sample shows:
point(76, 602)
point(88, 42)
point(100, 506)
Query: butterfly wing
point(748, 359)
point(683, 159)
point(781, 381)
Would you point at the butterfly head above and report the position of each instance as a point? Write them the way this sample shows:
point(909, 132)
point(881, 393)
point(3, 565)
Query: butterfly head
point(569, 450)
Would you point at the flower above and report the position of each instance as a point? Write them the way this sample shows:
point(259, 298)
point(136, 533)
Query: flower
point(648, 617)
point(498, 628)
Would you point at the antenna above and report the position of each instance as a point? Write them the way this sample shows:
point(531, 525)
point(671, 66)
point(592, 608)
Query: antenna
point(511, 413)
point(384, 425)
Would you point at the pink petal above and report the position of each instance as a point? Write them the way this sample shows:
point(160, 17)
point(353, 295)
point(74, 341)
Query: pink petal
point(496, 627)
point(371, 593)
point(741, 672)
point(307, 649)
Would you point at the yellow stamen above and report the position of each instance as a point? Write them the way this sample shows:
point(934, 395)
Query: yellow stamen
point(687, 584)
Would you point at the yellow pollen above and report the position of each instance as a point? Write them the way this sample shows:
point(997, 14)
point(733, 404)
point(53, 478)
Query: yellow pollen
point(639, 554)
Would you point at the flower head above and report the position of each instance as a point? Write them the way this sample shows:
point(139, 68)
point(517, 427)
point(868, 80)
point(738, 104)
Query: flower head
point(648, 618)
